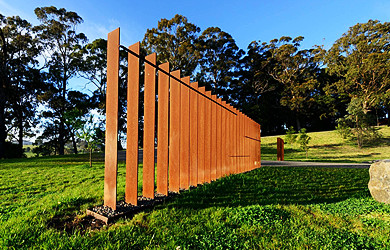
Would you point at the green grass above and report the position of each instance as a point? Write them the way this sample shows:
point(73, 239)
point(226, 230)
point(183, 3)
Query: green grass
point(328, 146)
point(269, 207)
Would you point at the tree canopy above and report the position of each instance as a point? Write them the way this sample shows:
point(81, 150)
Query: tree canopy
point(277, 83)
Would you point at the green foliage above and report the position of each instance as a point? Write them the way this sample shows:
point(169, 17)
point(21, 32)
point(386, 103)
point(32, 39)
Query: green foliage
point(20, 81)
point(291, 135)
point(218, 61)
point(44, 149)
point(303, 140)
point(90, 134)
point(258, 215)
point(58, 34)
point(361, 59)
point(343, 129)
point(356, 124)
point(174, 41)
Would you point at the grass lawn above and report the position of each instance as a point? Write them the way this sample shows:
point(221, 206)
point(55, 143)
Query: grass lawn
point(270, 207)
point(328, 146)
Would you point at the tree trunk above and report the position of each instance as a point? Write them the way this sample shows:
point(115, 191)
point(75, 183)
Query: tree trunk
point(90, 157)
point(61, 149)
point(74, 144)
point(2, 128)
point(377, 117)
point(20, 138)
point(298, 124)
point(61, 137)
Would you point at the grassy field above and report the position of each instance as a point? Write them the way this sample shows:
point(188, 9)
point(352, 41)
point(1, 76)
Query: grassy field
point(269, 207)
point(328, 146)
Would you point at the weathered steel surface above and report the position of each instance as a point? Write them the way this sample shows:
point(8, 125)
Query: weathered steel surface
point(259, 145)
point(213, 139)
point(235, 153)
point(174, 133)
point(280, 149)
point(208, 138)
point(201, 136)
point(185, 134)
point(162, 130)
point(219, 139)
point(229, 131)
point(223, 140)
point(111, 150)
point(131, 189)
point(194, 135)
point(149, 127)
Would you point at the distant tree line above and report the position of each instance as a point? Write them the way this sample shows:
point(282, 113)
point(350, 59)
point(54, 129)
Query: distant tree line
point(277, 83)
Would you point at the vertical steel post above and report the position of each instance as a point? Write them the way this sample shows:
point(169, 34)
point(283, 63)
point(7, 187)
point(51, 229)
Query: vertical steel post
point(224, 140)
point(131, 189)
point(219, 139)
point(185, 134)
point(280, 149)
point(174, 133)
point(208, 138)
point(213, 139)
point(149, 127)
point(201, 136)
point(162, 130)
point(111, 150)
point(194, 104)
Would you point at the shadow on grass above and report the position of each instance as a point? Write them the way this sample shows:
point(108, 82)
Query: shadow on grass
point(66, 220)
point(278, 185)
point(329, 146)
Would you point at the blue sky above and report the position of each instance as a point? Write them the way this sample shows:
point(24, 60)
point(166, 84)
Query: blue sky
point(320, 22)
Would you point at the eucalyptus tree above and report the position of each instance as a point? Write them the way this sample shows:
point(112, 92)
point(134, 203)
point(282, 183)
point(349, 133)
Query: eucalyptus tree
point(361, 58)
point(219, 61)
point(174, 41)
point(58, 33)
point(19, 79)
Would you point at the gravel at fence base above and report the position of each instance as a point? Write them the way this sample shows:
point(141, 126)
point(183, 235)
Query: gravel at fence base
point(123, 208)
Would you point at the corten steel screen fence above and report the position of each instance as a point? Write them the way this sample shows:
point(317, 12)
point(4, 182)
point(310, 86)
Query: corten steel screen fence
point(200, 138)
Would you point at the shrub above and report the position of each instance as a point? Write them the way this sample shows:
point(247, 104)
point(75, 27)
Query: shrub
point(291, 135)
point(343, 129)
point(303, 140)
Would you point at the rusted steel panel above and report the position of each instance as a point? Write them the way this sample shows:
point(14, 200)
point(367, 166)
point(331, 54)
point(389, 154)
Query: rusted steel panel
point(230, 139)
point(174, 133)
point(201, 136)
point(219, 139)
point(224, 136)
point(149, 126)
point(213, 138)
point(194, 135)
point(280, 149)
point(111, 150)
point(242, 163)
point(246, 141)
point(162, 130)
point(185, 135)
point(208, 138)
point(235, 153)
point(131, 189)
point(259, 145)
